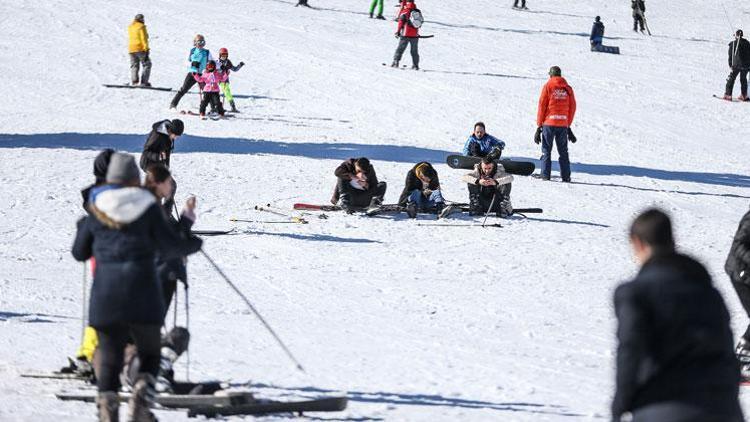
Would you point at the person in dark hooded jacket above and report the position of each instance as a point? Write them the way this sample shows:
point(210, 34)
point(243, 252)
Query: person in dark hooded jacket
point(357, 185)
point(737, 267)
point(739, 64)
point(674, 353)
point(125, 231)
point(422, 190)
point(159, 146)
point(597, 33)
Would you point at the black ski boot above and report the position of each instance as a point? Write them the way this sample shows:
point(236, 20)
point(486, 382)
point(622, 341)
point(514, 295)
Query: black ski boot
point(233, 108)
point(108, 406)
point(380, 17)
point(415, 67)
point(475, 207)
point(495, 153)
point(142, 400)
point(346, 206)
point(370, 15)
point(439, 208)
point(395, 63)
point(411, 209)
point(505, 209)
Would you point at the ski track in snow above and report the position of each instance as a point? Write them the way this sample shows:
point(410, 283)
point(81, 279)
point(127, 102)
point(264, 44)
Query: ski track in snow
point(414, 323)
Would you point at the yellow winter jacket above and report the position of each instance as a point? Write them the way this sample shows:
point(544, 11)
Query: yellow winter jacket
point(137, 37)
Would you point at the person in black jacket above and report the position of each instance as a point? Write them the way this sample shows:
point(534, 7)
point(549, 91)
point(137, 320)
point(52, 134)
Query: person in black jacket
point(597, 33)
point(738, 269)
point(674, 353)
point(101, 162)
point(739, 63)
point(159, 146)
point(357, 185)
point(125, 231)
point(422, 190)
point(639, 12)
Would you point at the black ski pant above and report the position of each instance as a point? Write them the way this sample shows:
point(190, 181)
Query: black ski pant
point(523, 3)
point(214, 99)
point(136, 60)
point(111, 352)
point(413, 42)
point(743, 81)
point(483, 196)
point(638, 19)
point(354, 197)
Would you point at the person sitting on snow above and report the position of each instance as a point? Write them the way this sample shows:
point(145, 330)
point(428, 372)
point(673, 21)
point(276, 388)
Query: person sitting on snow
point(489, 189)
point(482, 144)
point(422, 190)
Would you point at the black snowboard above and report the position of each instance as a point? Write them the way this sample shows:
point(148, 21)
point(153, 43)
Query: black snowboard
point(521, 168)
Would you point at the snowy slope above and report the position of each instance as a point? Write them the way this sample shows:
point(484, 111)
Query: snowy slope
point(415, 323)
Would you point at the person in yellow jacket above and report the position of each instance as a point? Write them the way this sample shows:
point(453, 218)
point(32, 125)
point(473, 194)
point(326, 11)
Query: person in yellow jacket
point(138, 49)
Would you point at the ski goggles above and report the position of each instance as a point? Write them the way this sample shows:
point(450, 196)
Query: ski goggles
point(199, 43)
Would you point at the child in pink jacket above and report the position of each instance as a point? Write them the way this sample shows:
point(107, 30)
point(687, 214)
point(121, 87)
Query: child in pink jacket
point(211, 78)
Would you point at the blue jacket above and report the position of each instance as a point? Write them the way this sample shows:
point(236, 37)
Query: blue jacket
point(597, 32)
point(200, 55)
point(481, 147)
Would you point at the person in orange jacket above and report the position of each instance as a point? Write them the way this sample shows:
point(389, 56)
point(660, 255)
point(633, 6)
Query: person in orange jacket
point(138, 49)
point(557, 107)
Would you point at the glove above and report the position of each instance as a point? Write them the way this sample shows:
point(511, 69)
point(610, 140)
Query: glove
point(397, 35)
point(572, 138)
point(195, 64)
point(242, 64)
point(538, 136)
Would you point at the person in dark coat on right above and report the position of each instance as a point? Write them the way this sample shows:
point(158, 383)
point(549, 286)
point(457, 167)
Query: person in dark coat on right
point(158, 149)
point(739, 64)
point(674, 357)
point(738, 269)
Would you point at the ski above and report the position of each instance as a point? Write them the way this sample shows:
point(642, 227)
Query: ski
point(294, 220)
point(267, 208)
point(733, 100)
point(458, 208)
point(458, 225)
point(56, 376)
point(153, 88)
point(211, 232)
point(521, 168)
point(388, 208)
point(171, 400)
point(330, 404)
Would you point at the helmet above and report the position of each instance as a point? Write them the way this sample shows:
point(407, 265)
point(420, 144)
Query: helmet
point(223, 51)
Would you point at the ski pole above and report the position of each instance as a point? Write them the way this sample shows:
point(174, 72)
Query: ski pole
point(83, 302)
point(255, 311)
point(187, 326)
point(489, 210)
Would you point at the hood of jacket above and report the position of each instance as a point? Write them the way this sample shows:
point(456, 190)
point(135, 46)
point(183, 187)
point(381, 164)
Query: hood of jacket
point(117, 207)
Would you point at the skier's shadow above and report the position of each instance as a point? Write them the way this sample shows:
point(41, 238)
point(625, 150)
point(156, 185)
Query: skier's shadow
point(312, 237)
point(402, 399)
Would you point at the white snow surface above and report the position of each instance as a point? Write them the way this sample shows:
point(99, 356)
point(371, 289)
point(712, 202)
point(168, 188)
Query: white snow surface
point(414, 323)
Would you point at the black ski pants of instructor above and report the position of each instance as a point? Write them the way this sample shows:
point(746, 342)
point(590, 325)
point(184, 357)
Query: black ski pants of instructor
point(414, 44)
point(743, 81)
point(111, 351)
point(186, 85)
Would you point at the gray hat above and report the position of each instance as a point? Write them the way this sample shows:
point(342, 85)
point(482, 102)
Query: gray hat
point(122, 169)
point(555, 71)
point(139, 18)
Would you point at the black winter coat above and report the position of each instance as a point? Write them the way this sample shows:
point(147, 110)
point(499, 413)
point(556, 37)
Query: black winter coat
point(156, 144)
point(739, 55)
point(346, 171)
point(125, 244)
point(413, 182)
point(738, 261)
point(637, 4)
point(675, 342)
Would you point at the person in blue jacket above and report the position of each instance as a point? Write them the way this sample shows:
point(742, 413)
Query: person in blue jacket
point(482, 144)
point(198, 58)
point(597, 33)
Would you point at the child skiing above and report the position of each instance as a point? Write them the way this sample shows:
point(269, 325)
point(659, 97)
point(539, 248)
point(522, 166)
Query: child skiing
point(197, 59)
point(226, 66)
point(211, 79)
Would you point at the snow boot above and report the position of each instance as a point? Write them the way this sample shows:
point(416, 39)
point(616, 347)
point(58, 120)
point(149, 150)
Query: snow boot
point(742, 351)
point(142, 399)
point(374, 207)
point(415, 67)
point(743, 98)
point(505, 209)
point(411, 209)
point(370, 15)
point(439, 208)
point(233, 109)
point(145, 85)
point(346, 205)
point(395, 63)
point(447, 211)
point(474, 205)
point(108, 407)
point(728, 97)
point(495, 153)
point(379, 17)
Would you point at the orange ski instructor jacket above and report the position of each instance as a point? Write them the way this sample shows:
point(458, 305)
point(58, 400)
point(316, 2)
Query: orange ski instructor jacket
point(557, 104)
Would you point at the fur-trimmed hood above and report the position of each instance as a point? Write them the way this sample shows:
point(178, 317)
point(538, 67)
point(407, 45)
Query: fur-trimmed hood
point(117, 207)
